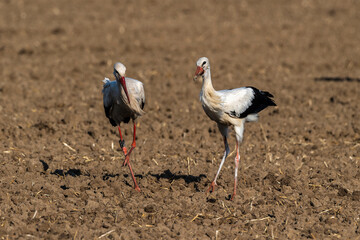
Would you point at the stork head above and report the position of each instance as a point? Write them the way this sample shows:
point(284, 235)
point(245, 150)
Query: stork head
point(119, 73)
point(202, 64)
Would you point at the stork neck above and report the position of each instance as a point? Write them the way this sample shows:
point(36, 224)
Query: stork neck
point(207, 84)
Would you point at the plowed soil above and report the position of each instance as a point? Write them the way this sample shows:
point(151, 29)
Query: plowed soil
point(61, 172)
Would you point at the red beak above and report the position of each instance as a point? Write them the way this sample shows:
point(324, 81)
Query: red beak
point(199, 71)
point(123, 83)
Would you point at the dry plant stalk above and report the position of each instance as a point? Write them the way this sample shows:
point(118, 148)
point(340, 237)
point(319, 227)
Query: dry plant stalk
point(67, 145)
point(107, 233)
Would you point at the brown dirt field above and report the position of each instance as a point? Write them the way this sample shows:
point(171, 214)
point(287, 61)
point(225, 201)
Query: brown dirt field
point(299, 170)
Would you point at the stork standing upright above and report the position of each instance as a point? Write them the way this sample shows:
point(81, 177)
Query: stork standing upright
point(124, 99)
point(230, 107)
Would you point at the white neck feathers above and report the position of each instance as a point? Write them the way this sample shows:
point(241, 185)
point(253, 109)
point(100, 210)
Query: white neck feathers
point(208, 93)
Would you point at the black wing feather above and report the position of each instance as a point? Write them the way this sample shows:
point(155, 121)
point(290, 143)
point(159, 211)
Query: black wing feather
point(260, 101)
point(142, 104)
point(107, 113)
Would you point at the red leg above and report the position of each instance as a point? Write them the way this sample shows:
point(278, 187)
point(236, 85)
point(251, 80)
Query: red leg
point(237, 159)
point(122, 142)
point(136, 186)
point(133, 177)
point(133, 145)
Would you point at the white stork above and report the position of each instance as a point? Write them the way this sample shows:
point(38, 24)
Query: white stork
point(124, 99)
point(230, 107)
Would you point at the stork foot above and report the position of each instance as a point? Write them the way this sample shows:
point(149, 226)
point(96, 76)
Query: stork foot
point(211, 187)
point(137, 188)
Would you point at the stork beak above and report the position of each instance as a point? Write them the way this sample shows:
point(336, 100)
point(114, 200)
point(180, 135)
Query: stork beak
point(199, 71)
point(123, 83)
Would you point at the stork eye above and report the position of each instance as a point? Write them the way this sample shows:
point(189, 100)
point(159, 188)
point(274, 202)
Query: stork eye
point(204, 63)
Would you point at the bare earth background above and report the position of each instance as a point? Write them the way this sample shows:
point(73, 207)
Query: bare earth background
point(61, 178)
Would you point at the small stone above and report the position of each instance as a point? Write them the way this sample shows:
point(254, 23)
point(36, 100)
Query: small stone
point(331, 220)
point(149, 209)
point(356, 196)
point(342, 191)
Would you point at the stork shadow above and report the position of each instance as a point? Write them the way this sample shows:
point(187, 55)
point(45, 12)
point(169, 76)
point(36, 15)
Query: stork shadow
point(73, 172)
point(108, 176)
point(44, 165)
point(167, 174)
point(337, 79)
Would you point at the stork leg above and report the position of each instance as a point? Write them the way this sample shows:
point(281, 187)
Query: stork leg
point(237, 160)
point(133, 145)
point(239, 130)
point(224, 131)
point(122, 145)
point(121, 141)
point(133, 177)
